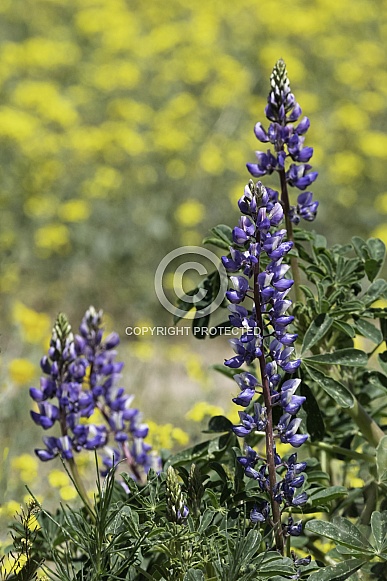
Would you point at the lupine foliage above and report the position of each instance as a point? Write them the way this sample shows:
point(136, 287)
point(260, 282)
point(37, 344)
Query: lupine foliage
point(233, 507)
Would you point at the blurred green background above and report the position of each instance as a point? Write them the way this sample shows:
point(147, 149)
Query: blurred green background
point(125, 127)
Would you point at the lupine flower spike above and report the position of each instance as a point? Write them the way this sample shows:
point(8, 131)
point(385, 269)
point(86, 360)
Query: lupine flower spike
point(290, 157)
point(268, 339)
point(79, 393)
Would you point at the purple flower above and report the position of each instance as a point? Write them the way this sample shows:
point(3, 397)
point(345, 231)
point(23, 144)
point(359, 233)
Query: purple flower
point(287, 429)
point(260, 513)
point(82, 375)
point(287, 141)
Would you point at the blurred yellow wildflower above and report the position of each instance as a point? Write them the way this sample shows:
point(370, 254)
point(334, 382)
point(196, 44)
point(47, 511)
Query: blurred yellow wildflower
point(68, 492)
point(373, 144)
point(381, 203)
point(21, 371)
point(195, 368)
point(190, 213)
point(58, 478)
point(166, 436)
point(353, 479)
point(35, 326)
point(27, 466)
point(74, 211)
point(143, 350)
point(202, 409)
point(52, 238)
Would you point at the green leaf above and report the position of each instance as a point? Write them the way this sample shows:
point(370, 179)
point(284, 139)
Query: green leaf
point(219, 424)
point(307, 291)
point(361, 248)
point(189, 455)
point(193, 575)
point(316, 331)
point(200, 327)
point(220, 330)
point(327, 494)
point(342, 531)
point(320, 241)
point(377, 249)
point(205, 520)
point(383, 328)
point(184, 306)
point(336, 390)
point(338, 572)
point(226, 370)
point(379, 530)
point(368, 330)
point(382, 358)
point(314, 419)
point(349, 357)
point(345, 328)
point(274, 564)
point(354, 306)
point(372, 268)
point(216, 242)
point(250, 546)
point(223, 232)
point(381, 460)
point(374, 292)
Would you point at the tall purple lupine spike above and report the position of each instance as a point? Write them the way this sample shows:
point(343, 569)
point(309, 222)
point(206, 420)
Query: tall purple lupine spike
point(82, 377)
point(290, 156)
point(269, 342)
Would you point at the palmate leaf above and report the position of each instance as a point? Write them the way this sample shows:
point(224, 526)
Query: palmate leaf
point(316, 331)
point(250, 546)
point(377, 289)
point(333, 388)
point(379, 530)
point(371, 253)
point(368, 330)
point(273, 564)
point(194, 575)
point(360, 248)
point(216, 242)
point(221, 237)
point(326, 495)
point(377, 251)
point(349, 357)
point(345, 328)
point(343, 532)
point(338, 572)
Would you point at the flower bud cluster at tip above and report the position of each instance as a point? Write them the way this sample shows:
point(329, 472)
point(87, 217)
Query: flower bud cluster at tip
point(287, 140)
point(80, 378)
point(258, 240)
point(177, 510)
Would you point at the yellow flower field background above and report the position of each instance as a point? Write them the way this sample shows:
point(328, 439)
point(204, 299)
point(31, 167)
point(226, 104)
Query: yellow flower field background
point(125, 127)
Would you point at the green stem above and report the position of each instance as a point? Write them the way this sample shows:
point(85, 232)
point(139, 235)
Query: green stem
point(371, 498)
point(78, 482)
point(270, 446)
point(375, 349)
point(368, 427)
point(333, 449)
